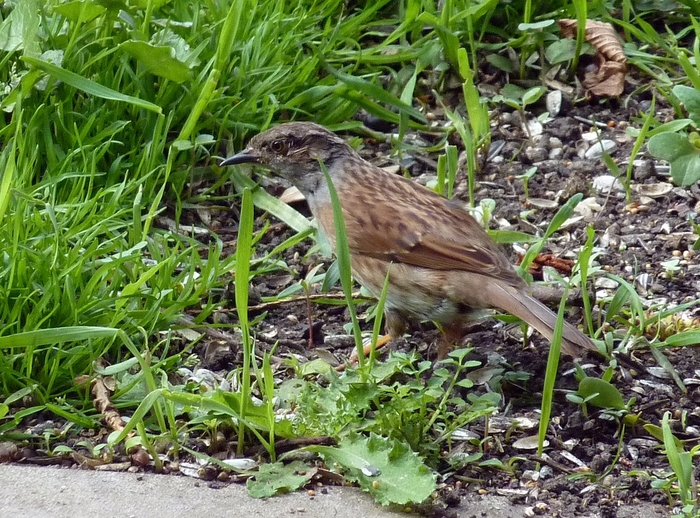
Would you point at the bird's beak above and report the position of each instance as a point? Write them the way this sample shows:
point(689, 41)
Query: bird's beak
point(244, 157)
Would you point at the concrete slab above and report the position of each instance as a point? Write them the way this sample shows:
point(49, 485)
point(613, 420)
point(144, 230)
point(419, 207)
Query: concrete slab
point(45, 492)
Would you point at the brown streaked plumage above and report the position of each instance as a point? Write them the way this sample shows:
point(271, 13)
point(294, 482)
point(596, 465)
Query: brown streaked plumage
point(443, 264)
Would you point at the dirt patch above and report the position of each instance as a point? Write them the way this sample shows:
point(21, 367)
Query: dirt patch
point(594, 463)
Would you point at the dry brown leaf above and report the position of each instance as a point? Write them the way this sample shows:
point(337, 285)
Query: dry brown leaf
point(561, 265)
point(599, 34)
point(103, 404)
point(609, 79)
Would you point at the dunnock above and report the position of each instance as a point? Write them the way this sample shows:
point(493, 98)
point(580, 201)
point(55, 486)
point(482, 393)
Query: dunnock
point(442, 263)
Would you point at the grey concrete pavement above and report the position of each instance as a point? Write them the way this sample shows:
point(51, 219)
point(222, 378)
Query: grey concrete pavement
point(44, 492)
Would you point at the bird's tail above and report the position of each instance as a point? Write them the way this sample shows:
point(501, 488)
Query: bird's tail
point(539, 316)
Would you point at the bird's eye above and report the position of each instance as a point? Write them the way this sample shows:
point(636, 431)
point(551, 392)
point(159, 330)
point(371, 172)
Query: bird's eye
point(277, 146)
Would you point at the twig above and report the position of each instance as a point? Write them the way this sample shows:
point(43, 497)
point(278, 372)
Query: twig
point(291, 300)
point(309, 318)
point(591, 122)
point(551, 463)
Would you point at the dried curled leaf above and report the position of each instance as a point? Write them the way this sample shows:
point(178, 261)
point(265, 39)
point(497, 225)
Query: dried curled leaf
point(102, 388)
point(599, 34)
point(609, 78)
point(561, 265)
point(675, 324)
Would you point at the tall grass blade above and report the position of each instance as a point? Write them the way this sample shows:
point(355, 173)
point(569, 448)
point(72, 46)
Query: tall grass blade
point(243, 255)
point(88, 86)
point(342, 251)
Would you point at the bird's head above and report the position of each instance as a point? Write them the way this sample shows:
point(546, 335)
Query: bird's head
point(294, 150)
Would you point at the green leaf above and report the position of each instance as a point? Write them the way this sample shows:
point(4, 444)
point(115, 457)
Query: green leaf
point(158, 60)
point(535, 25)
point(80, 11)
point(387, 469)
point(670, 146)
point(133, 288)
point(689, 68)
point(678, 151)
point(55, 335)
point(8, 166)
point(667, 366)
point(561, 51)
point(274, 479)
point(532, 95)
point(146, 4)
point(73, 416)
point(500, 62)
point(21, 393)
point(465, 383)
point(690, 97)
point(371, 91)
point(673, 126)
point(19, 30)
point(604, 394)
point(342, 252)
point(492, 463)
point(512, 92)
point(317, 366)
point(691, 4)
point(678, 459)
point(450, 42)
point(87, 86)
point(511, 236)
point(116, 368)
point(682, 339)
point(265, 201)
point(19, 417)
point(657, 433)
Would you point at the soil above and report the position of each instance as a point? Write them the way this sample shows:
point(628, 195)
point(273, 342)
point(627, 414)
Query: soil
point(634, 240)
point(593, 464)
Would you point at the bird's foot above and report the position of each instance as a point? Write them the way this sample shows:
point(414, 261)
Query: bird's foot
point(367, 350)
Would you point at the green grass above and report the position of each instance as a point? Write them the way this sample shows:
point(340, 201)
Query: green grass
point(113, 122)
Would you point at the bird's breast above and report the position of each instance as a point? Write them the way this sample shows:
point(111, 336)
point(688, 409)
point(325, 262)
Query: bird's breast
point(420, 293)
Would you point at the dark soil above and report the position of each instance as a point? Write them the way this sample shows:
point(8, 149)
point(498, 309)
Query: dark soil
point(589, 474)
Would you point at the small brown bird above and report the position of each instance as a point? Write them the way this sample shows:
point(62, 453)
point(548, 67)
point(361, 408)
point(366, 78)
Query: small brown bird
point(443, 264)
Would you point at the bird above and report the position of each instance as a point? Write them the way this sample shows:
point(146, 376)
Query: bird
point(441, 264)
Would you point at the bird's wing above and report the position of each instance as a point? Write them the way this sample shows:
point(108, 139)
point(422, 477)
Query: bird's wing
point(406, 223)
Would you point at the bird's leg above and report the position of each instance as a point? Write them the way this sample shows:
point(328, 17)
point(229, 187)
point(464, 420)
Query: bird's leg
point(452, 334)
point(395, 326)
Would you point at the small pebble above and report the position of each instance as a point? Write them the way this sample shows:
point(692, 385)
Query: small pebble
point(553, 102)
point(505, 118)
point(536, 154)
point(607, 183)
point(556, 153)
point(597, 149)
